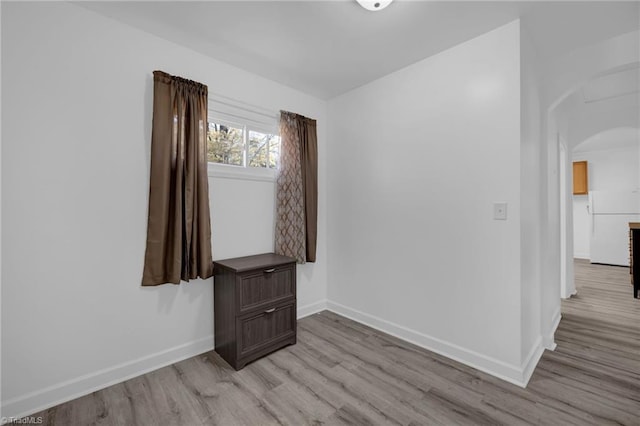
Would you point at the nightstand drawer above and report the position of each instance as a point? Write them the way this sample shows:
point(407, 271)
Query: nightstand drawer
point(256, 331)
point(265, 287)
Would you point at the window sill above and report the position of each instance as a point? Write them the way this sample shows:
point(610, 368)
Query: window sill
point(226, 171)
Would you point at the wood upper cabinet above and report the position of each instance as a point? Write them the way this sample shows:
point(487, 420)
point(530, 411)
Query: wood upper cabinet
point(580, 178)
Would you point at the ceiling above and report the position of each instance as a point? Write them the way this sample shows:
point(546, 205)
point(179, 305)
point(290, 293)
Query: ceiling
point(612, 139)
point(606, 101)
point(612, 84)
point(326, 48)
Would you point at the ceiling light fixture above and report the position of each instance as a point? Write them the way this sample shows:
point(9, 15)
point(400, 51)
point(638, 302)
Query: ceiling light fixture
point(374, 5)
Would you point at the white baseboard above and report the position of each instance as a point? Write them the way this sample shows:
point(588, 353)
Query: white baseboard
point(548, 339)
point(62, 392)
point(586, 256)
point(567, 296)
point(518, 375)
point(530, 362)
point(33, 402)
point(311, 308)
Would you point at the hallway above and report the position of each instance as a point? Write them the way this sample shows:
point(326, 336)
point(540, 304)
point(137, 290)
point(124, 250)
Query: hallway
point(597, 360)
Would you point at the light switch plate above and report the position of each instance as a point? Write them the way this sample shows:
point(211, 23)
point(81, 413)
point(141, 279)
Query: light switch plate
point(499, 211)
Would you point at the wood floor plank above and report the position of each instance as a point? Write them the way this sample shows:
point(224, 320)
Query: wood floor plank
point(344, 373)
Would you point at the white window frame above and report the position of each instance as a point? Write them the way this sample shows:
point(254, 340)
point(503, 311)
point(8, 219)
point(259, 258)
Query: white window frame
point(228, 171)
point(245, 172)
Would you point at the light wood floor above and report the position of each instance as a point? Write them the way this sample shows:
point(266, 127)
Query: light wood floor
point(341, 372)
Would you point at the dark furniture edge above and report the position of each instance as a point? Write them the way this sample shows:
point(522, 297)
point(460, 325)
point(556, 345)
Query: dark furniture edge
point(247, 263)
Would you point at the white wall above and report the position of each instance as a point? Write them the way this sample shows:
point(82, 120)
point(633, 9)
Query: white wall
point(581, 227)
point(76, 140)
point(418, 158)
point(530, 180)
point(0, 220)
point(609, 170)
point(567, 281)
point(550, 240)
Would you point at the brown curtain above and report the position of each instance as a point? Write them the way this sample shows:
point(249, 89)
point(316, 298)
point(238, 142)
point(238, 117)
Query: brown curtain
point(179, 228)
point(297, 188)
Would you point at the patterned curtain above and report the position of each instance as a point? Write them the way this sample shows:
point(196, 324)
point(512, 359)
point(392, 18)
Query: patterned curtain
point(297, 188)
point(179, 228)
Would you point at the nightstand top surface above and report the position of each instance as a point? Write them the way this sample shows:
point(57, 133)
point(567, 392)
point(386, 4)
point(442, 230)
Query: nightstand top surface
point(247, 263)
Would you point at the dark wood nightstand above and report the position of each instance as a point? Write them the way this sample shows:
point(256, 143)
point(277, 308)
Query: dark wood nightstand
point(254, 306)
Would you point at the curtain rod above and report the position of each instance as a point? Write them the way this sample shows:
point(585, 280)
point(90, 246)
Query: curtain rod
point(243, 106)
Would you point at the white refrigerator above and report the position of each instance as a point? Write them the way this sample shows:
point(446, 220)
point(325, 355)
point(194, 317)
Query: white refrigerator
point(611, 212)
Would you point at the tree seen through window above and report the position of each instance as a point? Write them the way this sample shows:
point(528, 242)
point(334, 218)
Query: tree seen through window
point(226, 145)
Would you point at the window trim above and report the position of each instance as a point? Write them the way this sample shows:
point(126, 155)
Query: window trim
point(229, 171)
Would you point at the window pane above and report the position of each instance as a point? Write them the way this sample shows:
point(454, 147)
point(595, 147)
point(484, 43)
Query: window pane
point(225, 144)
point(263, 148)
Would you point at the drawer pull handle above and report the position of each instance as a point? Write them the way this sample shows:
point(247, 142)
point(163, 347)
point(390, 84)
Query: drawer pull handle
point(268, 271)
point(268, 311)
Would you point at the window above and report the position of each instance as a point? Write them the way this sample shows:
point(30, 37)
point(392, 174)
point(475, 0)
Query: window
point(264, 149)
point(225, 144)
point(242, 145)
